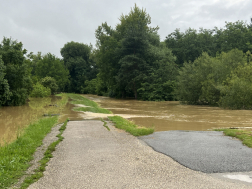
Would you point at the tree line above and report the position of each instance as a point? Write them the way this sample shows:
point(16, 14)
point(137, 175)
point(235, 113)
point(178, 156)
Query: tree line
point(210, 67)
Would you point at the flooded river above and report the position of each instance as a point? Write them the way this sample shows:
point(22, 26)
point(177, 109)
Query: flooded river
point(14, 118)
point(162, 115)
point(174, 116)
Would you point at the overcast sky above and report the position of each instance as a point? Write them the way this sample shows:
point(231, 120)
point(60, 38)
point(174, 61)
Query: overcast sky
point(46, 25)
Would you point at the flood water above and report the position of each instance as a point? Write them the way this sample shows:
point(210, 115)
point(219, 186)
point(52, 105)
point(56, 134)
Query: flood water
point(174, 116)
point(13, 119)
point(162, 115)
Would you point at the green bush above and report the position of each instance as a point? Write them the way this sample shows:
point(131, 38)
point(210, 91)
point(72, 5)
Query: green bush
point(237, 90)
point(201, 82)
point(50, 82)
point(40, 91)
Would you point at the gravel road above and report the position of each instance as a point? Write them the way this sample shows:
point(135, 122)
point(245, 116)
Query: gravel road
point(90, 156)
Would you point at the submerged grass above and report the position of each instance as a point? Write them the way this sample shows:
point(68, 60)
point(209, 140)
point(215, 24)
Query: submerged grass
point(92, 106)
point(43, 162)
point(129, 126)
point(15, 157)
point(244, 136)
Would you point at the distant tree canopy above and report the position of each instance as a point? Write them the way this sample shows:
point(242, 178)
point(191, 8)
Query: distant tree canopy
point(131, 57)
point(209, 66)
point(188, 46)
point(77, 59)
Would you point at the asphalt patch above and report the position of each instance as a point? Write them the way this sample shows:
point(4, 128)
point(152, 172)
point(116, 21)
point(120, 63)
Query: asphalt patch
point(205, 151)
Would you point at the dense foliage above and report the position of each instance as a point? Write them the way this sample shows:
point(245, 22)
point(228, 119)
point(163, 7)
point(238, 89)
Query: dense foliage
point(49, 66)
point(77, 59)
point(208, 66)
point(223, 80)
point(189, 45)
point(15, 82)
point(132, 61)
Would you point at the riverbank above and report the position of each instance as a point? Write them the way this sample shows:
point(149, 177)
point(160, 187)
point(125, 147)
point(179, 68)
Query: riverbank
point(15, 157)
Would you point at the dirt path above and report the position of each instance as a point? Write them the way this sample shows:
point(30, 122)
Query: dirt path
point(90, 156)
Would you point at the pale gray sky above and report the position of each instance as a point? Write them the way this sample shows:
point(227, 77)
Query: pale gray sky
point(46, 25)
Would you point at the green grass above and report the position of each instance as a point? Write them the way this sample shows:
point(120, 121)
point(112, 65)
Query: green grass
point(93, 106)
point(105, 124)
point(129, 126)
point(43, 162)
point(92, 109)
point(244, 136)
point(15, 157)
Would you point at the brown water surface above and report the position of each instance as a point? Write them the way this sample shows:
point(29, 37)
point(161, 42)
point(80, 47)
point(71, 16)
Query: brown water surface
point(174, 116)
point(13, 119)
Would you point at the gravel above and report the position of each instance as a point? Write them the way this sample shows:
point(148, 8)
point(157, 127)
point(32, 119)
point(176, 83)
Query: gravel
point(90, 156)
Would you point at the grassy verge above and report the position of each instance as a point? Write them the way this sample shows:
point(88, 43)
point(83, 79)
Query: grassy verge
point(105, 124)
point(43, 162)
point(129, 126)
point(15, 157)
point(244, 136)
point(92, 106)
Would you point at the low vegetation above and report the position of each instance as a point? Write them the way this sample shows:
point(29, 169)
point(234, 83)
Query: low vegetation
point(15, 157)
point(120, 122)
point(129, 126)
point(91, 105)
point(243, 135)
point(43, 162)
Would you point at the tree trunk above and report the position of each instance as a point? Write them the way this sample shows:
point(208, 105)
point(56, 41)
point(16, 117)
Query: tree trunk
point(135, 91)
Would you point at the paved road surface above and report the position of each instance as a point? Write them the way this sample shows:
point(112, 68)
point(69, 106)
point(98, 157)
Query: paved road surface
point(205, 151)
point(90, 156)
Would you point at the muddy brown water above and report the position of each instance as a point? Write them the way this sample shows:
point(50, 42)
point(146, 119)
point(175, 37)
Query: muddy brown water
point(13, 119)
point(174, 116)
point(162, 115)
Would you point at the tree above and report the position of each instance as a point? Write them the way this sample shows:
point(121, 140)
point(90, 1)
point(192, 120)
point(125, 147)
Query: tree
point(50, 66)
point(5, 93)
point(201, 82)
point(77, 59)
point(17, 72)
point(236, 92)
point(129, 54)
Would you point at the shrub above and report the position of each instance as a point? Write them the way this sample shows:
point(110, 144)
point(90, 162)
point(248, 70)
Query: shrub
point(40, 91)
point(50, 82)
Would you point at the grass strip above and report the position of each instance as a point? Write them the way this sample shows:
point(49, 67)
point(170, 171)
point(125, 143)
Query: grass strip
point(244, 136)
point(92, 106)
point(43, 162)
point(129, 126)
point(15, 157)
point(105, 124)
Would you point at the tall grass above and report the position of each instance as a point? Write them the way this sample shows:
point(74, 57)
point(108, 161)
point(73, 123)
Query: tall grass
point(15, 157)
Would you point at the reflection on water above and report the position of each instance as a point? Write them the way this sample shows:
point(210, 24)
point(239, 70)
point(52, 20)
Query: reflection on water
point(14, 118)
point(174, 116)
